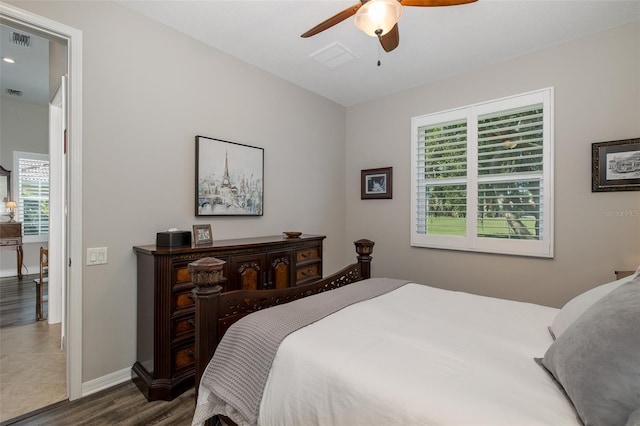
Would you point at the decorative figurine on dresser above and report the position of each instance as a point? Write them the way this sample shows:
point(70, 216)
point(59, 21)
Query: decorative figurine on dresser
point(165, 365)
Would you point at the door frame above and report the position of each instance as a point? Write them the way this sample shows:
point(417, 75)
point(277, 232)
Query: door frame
point(57, 197)
point(73, 218)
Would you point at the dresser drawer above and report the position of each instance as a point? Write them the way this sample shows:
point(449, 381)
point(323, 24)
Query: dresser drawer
point(182, 298)
point(11, 230)
point(183, 325)
point(306, 273)
point(307, 255)
point(183, 357)
point(182, 275)
point(11, 242)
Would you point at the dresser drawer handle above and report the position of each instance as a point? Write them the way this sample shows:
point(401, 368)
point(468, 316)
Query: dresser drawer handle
point(191, 322)
point(192, 354)
point(305, 273)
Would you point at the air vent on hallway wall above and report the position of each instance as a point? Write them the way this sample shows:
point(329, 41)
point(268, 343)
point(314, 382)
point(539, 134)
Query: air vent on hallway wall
point(21, 39)
point(14, 92)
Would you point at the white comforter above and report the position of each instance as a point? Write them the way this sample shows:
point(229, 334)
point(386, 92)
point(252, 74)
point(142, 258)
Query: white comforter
point(418, 356)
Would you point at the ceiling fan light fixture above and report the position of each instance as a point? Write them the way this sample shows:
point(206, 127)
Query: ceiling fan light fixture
point(377, 17)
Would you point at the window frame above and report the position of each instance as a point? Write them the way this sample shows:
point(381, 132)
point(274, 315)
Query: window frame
point(543, 247)
point(17, 156)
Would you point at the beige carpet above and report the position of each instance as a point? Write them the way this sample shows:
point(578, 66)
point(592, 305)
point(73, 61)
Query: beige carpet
point(32, 368)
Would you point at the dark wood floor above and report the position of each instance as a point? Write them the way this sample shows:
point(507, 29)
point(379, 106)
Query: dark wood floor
point(18, 300)
point(121, 405)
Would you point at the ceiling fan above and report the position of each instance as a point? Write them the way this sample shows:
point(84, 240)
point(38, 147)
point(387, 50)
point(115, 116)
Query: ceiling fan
point(379, 18)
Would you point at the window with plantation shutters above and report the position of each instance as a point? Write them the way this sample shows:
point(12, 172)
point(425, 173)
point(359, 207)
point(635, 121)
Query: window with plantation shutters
point(482, 177)
point(32, 182)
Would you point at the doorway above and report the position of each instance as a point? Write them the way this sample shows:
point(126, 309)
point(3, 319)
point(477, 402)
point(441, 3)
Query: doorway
point(66, 188)
point(31, 342)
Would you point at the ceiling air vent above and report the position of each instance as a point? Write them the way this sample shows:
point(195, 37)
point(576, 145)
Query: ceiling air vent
point(334, 55)
point(14, 92)
point(21, 39)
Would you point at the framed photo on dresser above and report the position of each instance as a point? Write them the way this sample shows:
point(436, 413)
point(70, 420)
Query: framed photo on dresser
point(202, 234)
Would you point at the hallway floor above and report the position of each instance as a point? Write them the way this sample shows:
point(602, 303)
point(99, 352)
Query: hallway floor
point(32, 368)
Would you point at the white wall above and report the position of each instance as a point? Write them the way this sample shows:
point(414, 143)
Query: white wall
point(148, 91)
point(23, 127)
point(597, 98)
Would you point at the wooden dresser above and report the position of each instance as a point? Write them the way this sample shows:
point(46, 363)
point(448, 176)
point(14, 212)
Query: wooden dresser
point(11, 237)
point(165, 365)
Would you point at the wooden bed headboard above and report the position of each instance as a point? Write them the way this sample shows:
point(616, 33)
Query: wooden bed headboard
point(217, 311)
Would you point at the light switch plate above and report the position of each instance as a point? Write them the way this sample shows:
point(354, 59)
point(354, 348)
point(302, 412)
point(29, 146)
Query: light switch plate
point(96, 256)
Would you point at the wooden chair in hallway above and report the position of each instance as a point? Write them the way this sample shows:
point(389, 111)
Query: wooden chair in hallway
point(41, 281)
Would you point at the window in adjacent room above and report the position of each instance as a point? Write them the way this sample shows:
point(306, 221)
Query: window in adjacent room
point(32, 184)
point(482, 177)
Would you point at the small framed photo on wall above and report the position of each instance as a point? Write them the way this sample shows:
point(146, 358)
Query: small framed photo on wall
point(376, 183)
point(202, 234)
point(615, 166)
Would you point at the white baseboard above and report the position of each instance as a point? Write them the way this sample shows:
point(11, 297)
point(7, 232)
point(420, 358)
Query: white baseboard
point(105, 382)
point(5, 273)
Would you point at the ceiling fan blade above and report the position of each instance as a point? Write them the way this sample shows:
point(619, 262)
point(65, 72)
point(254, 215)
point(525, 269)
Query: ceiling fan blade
point(390, 40)
point(335, 19)
point(434, 3)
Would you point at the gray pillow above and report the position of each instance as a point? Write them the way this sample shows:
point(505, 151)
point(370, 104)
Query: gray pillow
point(597, 359)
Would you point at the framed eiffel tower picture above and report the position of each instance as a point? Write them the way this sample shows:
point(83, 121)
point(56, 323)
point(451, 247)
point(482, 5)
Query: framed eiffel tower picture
point(229, 178)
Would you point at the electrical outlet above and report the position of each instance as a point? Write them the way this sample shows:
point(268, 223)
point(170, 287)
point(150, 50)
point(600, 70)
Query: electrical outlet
point(96, 256)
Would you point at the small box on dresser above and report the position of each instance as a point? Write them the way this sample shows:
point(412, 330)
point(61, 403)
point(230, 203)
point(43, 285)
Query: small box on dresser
point(173, 239)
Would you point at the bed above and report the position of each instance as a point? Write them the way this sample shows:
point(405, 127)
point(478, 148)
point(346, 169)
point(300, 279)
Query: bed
point(391, 352)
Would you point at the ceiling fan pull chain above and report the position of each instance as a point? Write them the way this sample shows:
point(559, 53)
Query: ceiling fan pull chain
point(379, 47)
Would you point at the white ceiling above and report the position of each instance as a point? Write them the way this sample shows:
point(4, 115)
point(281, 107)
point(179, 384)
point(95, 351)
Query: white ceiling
point(434, 42)
point(30, 73)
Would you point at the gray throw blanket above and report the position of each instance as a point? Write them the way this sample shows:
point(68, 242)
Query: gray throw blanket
point(238, 372)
